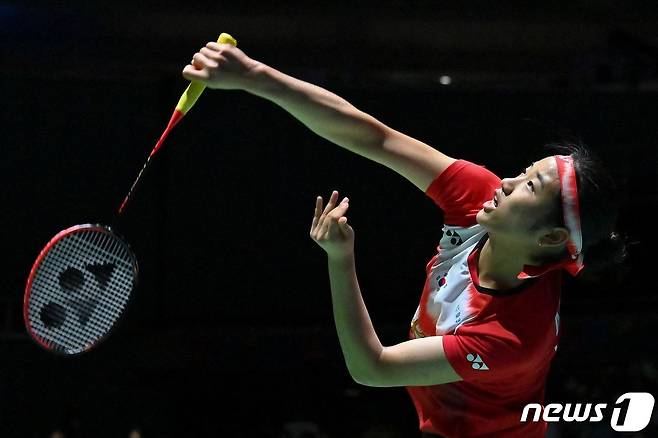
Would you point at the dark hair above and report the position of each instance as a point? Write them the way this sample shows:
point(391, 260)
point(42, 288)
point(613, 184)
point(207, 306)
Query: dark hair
point(599, 199)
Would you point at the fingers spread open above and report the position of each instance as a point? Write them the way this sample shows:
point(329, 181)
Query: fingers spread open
point(318, 207)
point(330, 221)
point(322, 225)
point(316, 214)
point(341, 208)
point(332, 202)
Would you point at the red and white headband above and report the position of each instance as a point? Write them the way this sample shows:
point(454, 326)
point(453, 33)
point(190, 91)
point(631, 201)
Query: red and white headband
point(571, 212)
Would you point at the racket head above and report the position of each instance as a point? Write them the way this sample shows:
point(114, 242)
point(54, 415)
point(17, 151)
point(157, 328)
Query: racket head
point(78, 288)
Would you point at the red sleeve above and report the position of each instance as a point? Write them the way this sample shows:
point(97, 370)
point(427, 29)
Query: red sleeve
point(460, 190)
point(486, 352)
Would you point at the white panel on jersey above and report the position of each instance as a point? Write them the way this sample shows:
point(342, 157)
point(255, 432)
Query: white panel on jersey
point(450, 278)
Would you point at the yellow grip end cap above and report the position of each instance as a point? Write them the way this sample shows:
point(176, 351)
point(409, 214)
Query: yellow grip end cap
point(225, 38)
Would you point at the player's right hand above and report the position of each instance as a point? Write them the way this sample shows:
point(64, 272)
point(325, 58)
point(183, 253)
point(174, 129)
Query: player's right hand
point(221, 66)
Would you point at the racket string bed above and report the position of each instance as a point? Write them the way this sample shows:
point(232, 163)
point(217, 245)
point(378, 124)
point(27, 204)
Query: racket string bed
point(80, 289)
point(60, 295)
point(87, 291)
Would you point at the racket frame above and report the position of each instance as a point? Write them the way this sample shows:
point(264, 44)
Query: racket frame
point(28, 287)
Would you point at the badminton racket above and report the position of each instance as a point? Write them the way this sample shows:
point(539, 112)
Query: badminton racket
point(83, 279)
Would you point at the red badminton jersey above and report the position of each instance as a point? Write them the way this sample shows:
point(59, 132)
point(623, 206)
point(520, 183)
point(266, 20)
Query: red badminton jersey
point(501, 342)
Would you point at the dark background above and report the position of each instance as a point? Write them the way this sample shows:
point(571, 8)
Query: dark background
point(230, 332)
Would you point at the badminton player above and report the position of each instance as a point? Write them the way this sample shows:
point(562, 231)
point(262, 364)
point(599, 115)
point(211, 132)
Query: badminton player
point(488, 325)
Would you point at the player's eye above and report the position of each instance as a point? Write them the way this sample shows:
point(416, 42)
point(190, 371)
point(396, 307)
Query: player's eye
point(531, 185)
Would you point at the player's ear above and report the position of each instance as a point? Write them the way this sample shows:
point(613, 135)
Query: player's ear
point(557, 236)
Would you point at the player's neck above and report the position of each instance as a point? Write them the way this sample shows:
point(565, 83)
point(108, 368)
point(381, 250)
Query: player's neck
point(500, 262)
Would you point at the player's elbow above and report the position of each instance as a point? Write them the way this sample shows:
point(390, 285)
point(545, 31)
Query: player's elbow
point(366, 380)
point(366, 376)
point(357, 373)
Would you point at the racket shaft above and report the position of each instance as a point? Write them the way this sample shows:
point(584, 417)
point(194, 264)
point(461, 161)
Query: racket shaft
point(185, 103)
point(132, 188)
point(141, 172)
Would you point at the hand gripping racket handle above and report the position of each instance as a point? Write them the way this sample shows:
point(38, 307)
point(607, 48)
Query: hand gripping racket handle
point(194, 90)
point(185, 103)
point(190, 96)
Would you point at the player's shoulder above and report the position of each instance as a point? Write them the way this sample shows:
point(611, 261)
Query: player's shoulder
point(462, 170)
point(461, 189)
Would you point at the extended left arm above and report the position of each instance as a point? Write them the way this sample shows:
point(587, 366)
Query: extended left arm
point(416, 362)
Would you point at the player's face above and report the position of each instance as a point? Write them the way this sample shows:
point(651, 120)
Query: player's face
point(522, 202)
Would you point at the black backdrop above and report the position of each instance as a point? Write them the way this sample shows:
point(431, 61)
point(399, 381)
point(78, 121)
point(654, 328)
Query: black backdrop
point(231, 324)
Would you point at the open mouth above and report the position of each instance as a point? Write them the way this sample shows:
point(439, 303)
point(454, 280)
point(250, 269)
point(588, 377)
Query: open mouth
point(497, 194)
point(491, 204)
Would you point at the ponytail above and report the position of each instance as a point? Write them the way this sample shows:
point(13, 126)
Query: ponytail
point(607, 252)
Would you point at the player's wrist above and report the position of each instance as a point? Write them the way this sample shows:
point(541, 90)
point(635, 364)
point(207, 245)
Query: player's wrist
point(264, 81)
point(341, 258)
point(257, 78)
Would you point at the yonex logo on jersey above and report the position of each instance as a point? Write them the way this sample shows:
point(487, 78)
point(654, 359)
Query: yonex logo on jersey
point(478, 363)
point(455, 238)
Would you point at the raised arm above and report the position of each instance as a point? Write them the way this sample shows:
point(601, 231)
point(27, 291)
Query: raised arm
point(411, 363)
point(323, 112)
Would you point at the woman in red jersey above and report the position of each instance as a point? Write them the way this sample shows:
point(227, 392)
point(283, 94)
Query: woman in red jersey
point(487, 325)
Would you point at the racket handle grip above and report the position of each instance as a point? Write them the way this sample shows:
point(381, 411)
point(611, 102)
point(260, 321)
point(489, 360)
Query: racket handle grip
point(194, 90)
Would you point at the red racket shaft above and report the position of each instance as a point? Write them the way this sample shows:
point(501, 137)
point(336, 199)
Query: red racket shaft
point(175, 118)
point(187, 100)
